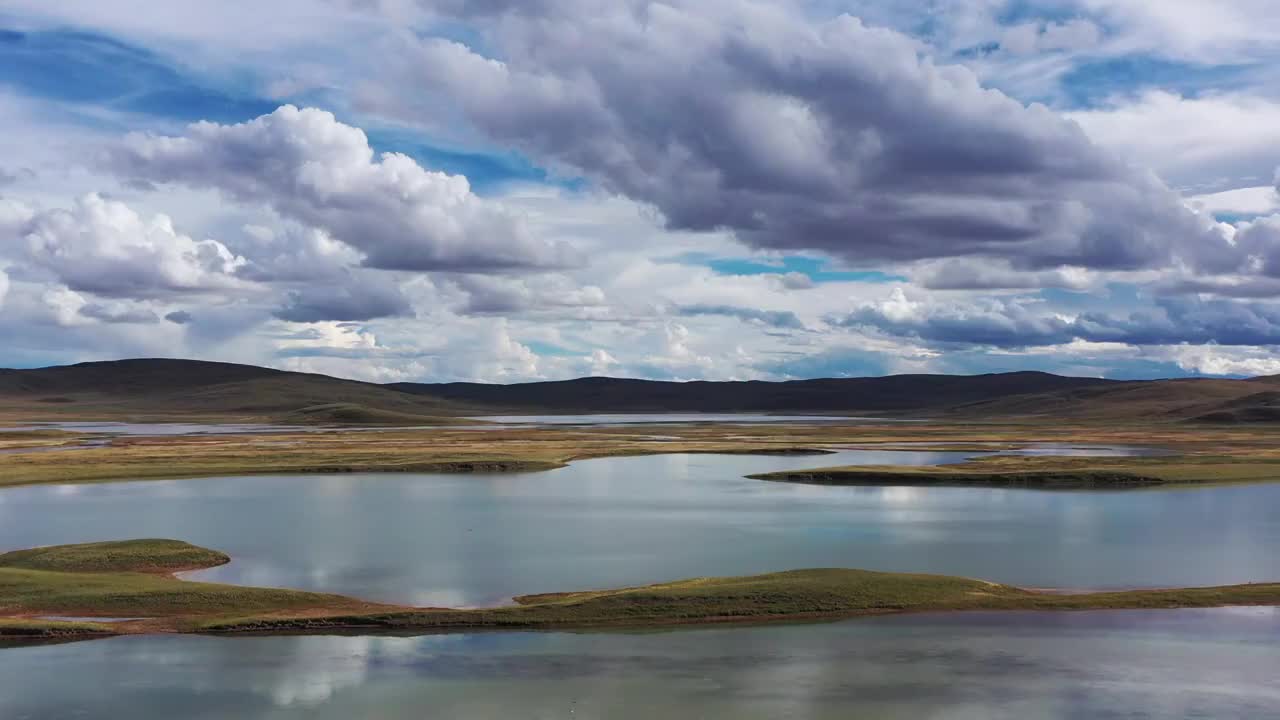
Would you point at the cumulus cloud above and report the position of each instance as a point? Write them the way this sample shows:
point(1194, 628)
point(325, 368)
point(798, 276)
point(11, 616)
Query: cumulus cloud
point(601, 362)
point(1211, 360)
point(1253, 201)
point(13, 215)
point(678, 359)
point(1223, 31)
point(770, 318)
point(294, 254)
point(1183, 138)
point(797, 281)
point(1029, 322)
point(963, 274)
point(179, 317)
point(486, 295)
point(353, 301)
point(311, 168)
point(119, 313)
point(822, 135)
point(105, 247)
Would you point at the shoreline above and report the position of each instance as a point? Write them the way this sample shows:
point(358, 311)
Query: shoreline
point(1204, 456)
point(138, 580)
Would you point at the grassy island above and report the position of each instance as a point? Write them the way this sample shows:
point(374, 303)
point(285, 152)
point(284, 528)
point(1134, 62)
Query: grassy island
point(40, 589)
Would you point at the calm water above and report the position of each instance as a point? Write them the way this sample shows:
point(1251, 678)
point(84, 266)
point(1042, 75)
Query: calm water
point(479, 539)
point(1218, 665)
point(150, 429)
point(669, 418)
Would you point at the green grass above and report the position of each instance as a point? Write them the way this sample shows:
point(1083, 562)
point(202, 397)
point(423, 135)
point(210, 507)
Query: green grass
point(167, 604)
point(1049, 472)
point(794, 595)
point(126, 594)
point(51, 629)
point(131, 579)
point(141, 556)
point(1051, 479)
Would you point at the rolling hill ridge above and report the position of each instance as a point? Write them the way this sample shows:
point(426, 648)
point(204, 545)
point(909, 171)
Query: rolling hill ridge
point(166, 389)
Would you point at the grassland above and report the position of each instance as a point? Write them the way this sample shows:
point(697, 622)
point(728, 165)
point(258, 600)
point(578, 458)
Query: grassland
point(1205, 454)
point(132, 579)
point(139, 556)
point(159, 602)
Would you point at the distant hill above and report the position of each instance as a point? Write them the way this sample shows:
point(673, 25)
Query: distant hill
point(1019, 395)
point(156, 389)
point(894, 394)
point(1191, 399)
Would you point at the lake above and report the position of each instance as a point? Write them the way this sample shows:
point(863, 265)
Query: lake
point(1215, 664)
point(467, 540)
point(676, 418)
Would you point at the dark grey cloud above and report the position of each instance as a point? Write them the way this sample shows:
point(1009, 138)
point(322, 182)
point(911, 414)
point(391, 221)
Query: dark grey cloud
point(1021, 323)
point(488, 295)
point(799, 134)
point(122, 314)
point(322, 173)
point(771, 318)
point(179, 317)
point(355, 301)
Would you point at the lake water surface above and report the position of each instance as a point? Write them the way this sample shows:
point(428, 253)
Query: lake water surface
point(479, 539)
point(1213, 664)
point(471, 540)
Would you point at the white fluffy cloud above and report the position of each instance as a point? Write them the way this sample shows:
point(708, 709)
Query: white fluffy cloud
point(1263, 200)
point(1222, 31)
point(322, 173)
point(105, 247)
point(1214, 142)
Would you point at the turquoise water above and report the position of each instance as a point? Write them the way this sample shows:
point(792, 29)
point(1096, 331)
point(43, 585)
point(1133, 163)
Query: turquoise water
point(1213, 664)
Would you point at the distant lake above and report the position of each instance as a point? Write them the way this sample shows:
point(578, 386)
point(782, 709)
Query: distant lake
point(162, 429)
point(1172, 664)
point(659, 418)
point(156, 429)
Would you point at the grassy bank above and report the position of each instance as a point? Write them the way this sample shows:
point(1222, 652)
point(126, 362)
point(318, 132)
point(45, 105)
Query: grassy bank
point(140, 556)
point(1050, 473)
point(133, 588)
point(132, 579)
point(1207, 455)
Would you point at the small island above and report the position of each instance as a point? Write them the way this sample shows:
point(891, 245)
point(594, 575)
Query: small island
point(131, 587)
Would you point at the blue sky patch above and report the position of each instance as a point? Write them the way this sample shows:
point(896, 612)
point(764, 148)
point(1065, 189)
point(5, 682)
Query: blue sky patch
point(1018, 12)
point(814, 268)
point(1091, 83)
point(486, 171)
point(80, 67)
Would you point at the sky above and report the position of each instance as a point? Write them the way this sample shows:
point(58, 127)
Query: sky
point(520, 190)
